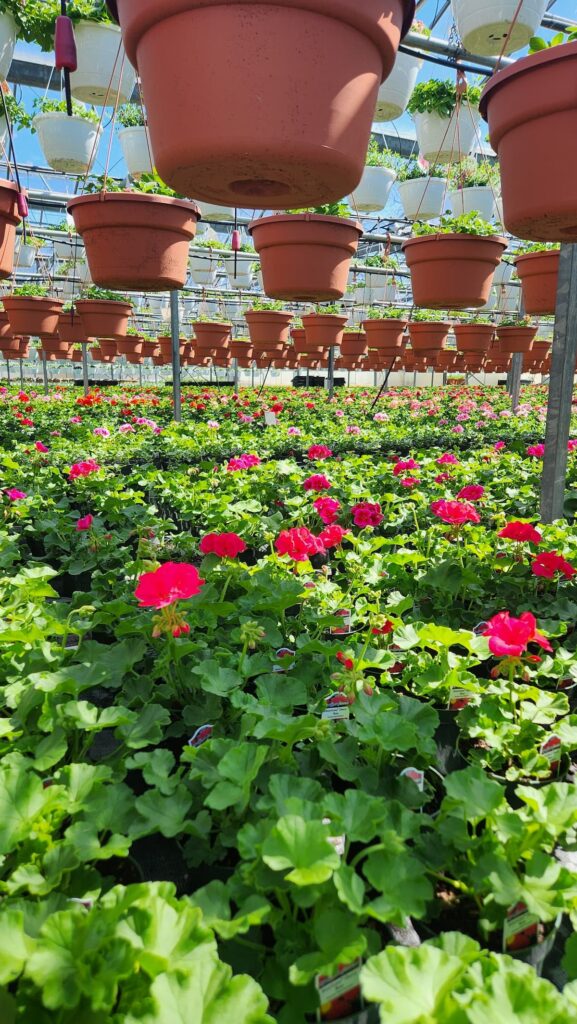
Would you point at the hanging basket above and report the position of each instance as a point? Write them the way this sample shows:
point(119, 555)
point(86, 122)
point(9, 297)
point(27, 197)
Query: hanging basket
point(294, 147)
point(32, 315)
point(452, 271)
point(538, 273)
point(324, 330)
point(497, 26)
point(532, 120)
point(69, 144)
point(9, 220)
point(212, 335)
point(447, 140)
point(423, 198)
point(478, 199)
point(302, 346)
point(516, 339)
point(103, 318)
point(10, 345)
point(385, 335)
point(165, 342)
point(135, 242)
point(131, 345)
point(474, 337)
point(70, 328)
point(372, 192)
point(136, 150)
point(241, 350)
point(104, 76)
point(54, 347)
point(268, 327)
point(354, 344)
point(150, 349)
point(305, 257)
point(8, 33)
point(5, 328)
point(396, 91)
point(108, 347)
point(427, 335)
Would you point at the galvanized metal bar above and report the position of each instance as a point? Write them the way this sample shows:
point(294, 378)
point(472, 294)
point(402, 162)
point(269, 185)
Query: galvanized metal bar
point(85, 366)
point(236, 376)
point(515, 381)
point(175, 334)
point(44, 372)
point(331, 373)
point(564, 354)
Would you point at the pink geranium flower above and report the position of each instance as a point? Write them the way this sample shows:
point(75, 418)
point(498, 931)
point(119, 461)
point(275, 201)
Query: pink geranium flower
point(319, 451)
point(85, 468)
point(85, 523)
point(367, 513)
point(41, 447)
point(317, 482)
point(328, 509)
point(224, 545)
point(172, 582)
point(15, 495)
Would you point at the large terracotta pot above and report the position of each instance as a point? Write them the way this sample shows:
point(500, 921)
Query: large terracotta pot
point(150, 349)
point(108, 347)
point(386, 335)
point(268, 327)
point(9, 220)
point(32, 315)
point(103, 318)
point(516, 339)
point(354, 344)
point(5, 328)
point(427, 335)
point(212, 335)
point(70, 328)
point(538, 273)
point(134, 241)
point(165, 342)
point(131, 345)
point(532, 115)
point(305, 256)
point(54, 346)
point(446, 359)
point(474, 337)
point(11, 346)
point(250, 140)
point(134, 358)
point(241, 350)
point(324, 329)
point(302, 345)
point(452, 271)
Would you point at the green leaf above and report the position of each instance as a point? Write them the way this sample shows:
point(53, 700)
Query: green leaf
point(15, 945)
point(208, 995)
point(413, 986)
point(303, 847)
point(472, 791)
point(164, 814)
point(402, 883)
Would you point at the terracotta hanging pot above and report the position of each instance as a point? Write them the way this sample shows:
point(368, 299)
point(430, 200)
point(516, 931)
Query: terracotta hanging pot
point(135, 242)
point(134, 358)
point(212, 335)
point(9, 220)
point(5, 328)
point(532, 115)
point(538, 273)
point(131, 345)
point(305, 256)
point(302, 345)
point(516, 339)
point(108, 347)
point(150, 349)
point(474, 337)
point(32, 315)
point(446, 359)
point(294, 147)
point(70, 328)
point(324, 329)
point(348, 363)
point(387, 335)
point(103, 318)
point(160, 360)
point(54, 346)
point(452, 271)
point(541, 349)
point(354, 344)
point(165, 342)
point(426, 335)
point(269, 327)
point(241, 350)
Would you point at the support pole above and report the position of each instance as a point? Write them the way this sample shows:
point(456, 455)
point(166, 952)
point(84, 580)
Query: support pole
point(516, 371)
point(432, 375)
point(140, 374)
point(331, 374)
point(21, 361)
point(8, 372)
point(236, 376)
point(175, 332)
point(564, 353)
point(44, 372)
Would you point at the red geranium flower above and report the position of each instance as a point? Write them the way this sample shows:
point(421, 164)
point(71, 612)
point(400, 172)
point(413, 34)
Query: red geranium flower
point(509, 637)
point(548, 563)
point(83, 469)
point(173, 581)
point(225, 545)
point(404, 465)
point(317, 482)
point(536, 450)
point(472, 492)
point(327, 509)
point(447, 460)
point(456, 513)
point(319, 451)
point(298, 543)
point(346, 662)
point(520, 532)
point(332, 536)
point(85, 523)
point(367, 513)
point(242, 462)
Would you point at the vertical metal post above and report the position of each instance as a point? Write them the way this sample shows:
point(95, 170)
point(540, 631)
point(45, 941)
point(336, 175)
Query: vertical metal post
point(140, 374)
point(252, 376)
point(432, 375)
point(8, 371)
point(175, 332)
point(112, 371)
point(375, 377)
point(331, 375)
point(21, 361)
point(44, 371)
point(445, 376)
point(348, 378)
point(85, 366)
point(515, 380)
point(236, 376)
point(308, 376)
point(414, 378)
point(564, 353)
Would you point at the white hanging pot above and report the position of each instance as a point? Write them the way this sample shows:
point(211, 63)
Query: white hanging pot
point(474, 199)
point(445, 140)
point(372, 192)
point(484, 27)
point(105, 75)
point(378, 288)
point(503, 273)
point(3, 134)
point(25, 255)
point(68, 249)
point(8, 33)
point(136, 150)
point(69, 144)
point(507, 297)
point(217, 213)
point(396, 91)
point(423, 198)
point(243, 277)
point(203, 271)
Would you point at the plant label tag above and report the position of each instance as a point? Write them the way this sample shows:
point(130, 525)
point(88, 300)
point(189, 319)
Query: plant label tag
point(337, 842)
point(270, 419)
point(566, 684)
point(202, 734)
point(345, 615)
point(337, 707)
point(416, 776)
point(458, 698)
point(283, 654)
point(340, 994)
point(551, 749)
point(521, 929)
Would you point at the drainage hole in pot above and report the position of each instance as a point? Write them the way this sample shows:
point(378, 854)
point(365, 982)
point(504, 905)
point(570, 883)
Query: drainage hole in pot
point(258, 187)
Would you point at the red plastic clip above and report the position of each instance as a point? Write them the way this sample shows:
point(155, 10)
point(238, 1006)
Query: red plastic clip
point(236, 241)
point(22, 204)
point(65, 45)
